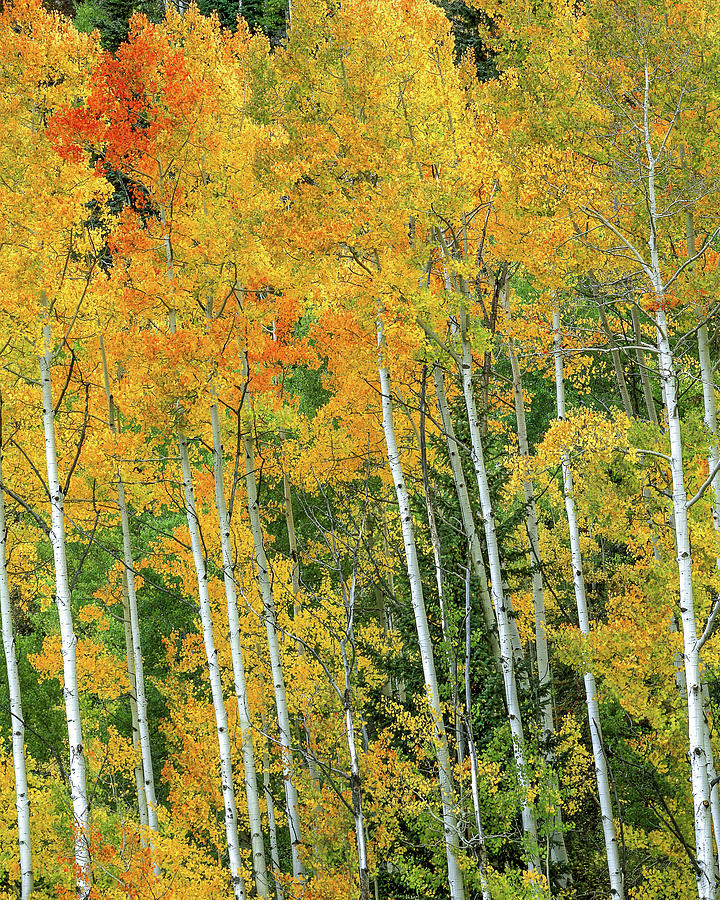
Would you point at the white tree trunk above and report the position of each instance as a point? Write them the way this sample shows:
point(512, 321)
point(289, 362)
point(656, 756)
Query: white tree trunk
point(303, 730)
point(246, 736)
point(691, 653)
point(711, 423)
point(706, 880)
point(442, 753)
point(612, 853)
point(269, 615)
point(474, 766)
point(558, 850)
point(292, 540)
point(355, 778)
point(711, 420)
point(440, 581)
point(141, 699)
point(130, 659)
point(270, 806)
point(68, 638)
point(502, 612)
point(466, 514)
point(17, 723)
point(228, 791)
point(147, 801)
point(642, 366)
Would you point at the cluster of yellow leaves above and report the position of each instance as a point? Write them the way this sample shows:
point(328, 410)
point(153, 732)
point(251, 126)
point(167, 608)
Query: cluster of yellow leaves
point(100, 673)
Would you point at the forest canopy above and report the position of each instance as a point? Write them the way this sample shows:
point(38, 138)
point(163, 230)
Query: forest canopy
point(359, 450)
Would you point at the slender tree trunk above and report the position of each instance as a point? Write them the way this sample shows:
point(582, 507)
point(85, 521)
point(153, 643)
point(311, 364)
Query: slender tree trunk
point(693, 679)
point(399, 681)
point(461, 489)
point(17, 722)
point(246, 737)
point(130, 659)
point(474, 766)
point(269, 615)
point(617, 889)
point(270, 806)
point(228, 791)
point(502, 608)
point(706, 881)
point(143, 723)
point(711, 424)
point(142, 710)
point(305, 738)
point(437, 557)
point(615, 355)
point(355, 777)
point(558, 850)
point(478, 460)
point(711, 420)
point(68, 638)
point(642, 366)
point(442, 753)
point(292, 540)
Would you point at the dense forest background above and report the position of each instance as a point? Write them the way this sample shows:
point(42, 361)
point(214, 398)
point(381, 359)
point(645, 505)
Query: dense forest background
point(359, 450)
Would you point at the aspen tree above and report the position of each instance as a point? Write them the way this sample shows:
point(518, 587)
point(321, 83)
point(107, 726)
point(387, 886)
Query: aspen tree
point(617, 887)
point(710, 420)
point(348, 639)
point(466, 513)
point(211, 655)
point(221, 724)
point(246, 736)
point(213, 664)
point(442, 753)
point(439, 575)
point(502, 612)
point(270, 619)
point(130, 662)
point(146, 797)
point(558, 851)
point(474, 765)
point(306, 750)
point(17, 722)
point(78, 786)
point(651, 157)
point(127, 628)
point(698, 748)
point(270, 809)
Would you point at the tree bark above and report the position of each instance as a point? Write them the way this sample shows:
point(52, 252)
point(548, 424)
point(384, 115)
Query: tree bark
point(442, 753)
point(68, 638)
point(612, 853)
point(130, 660)
point(508, 646)
point(228, 790)
point(642, 366)
point(558, 850)
point(466, 513)
point(355, 777)
point(148, 799)
point(474, 765)
point(246, 736)
point(17, 722)
point(439, 578)
point(270, 807)
point(697, 748)
point(270, 618)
